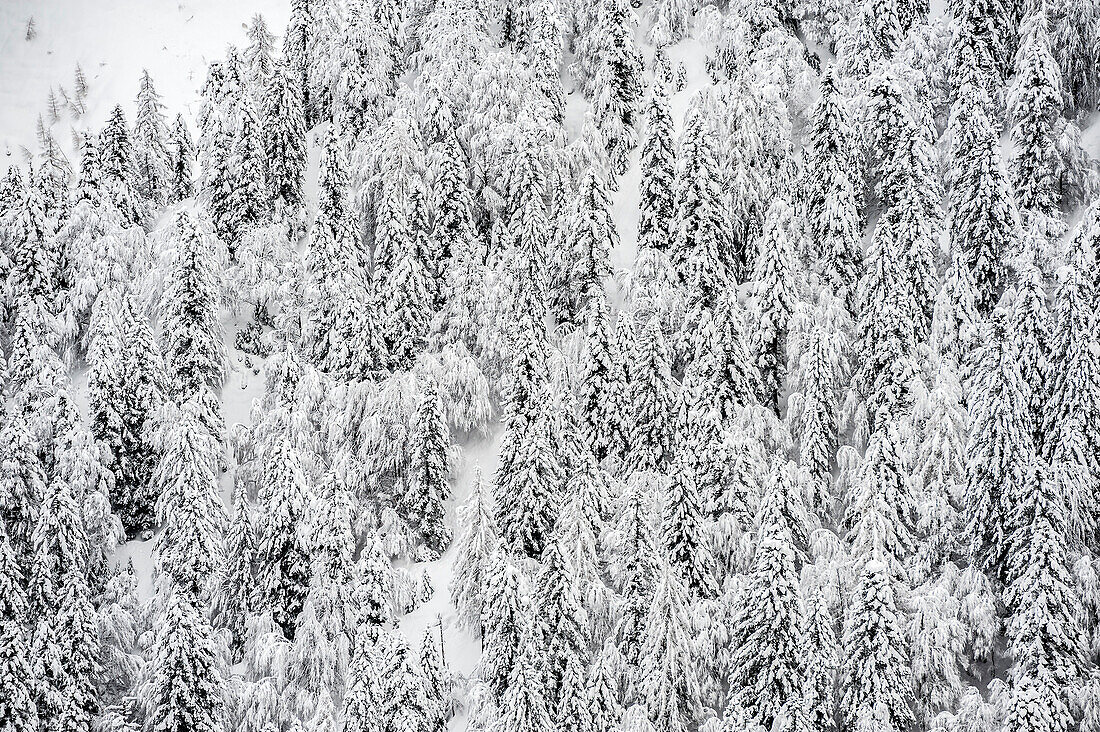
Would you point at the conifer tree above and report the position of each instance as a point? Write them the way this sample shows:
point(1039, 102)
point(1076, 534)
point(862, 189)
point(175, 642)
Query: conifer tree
point(151, 155)
point(539, 38)
point(815, 407)
point(126, 390)
point(454, 231)
point(235, 589)
point(364, 699)
point(193, 348)
point(259, 57)
point(617, 85)
point(881, 506)
point(657, 207)
point(66, 651)
point(682, 529)
point(821, 663)
point(428, 486)
point(1044, 629)
point(188, 505)
point(557, 621)
point(775, 298)
point(1035, 99)
point(284, 135)
point(1075, 31)
point(1030, 323)
point(767, 630)
point(603, 399)
point(187, 690)
point(297, 42)
point(118, 168)
point(1000, 447)
point(502, 622)
point(247, 201)
point(829, 189)
point(983, 219)
point(282, 553)
point(877, 676)
point(699, 243)
point(886, 330)
point(668, 681)
point(181, 158)
point(524, 706)
point(477, 540)
point(1072, 380)
point(652, 395)
point(339, 328)
point(530, 475)
point(18, 711)
point(592, 237)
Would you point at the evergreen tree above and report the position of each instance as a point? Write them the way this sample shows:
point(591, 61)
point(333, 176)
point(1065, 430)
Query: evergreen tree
point(247, 201)
point(530, 476)
point(618, 86)
point(775, 297)
point(767, 630)
point(284, 135)
point(886, 329)
point(189, 507)
point(186, 692)
point(476, 542)
point(259, 57)
point(877, 676)
point(339, 328)
point(593, 236)
point(829, 189)
point(1000, 447)
point(603, 389)
point(557, 622)
point(524, 707)
point(1035, 100)
point(1075, 33)
point(821, 663)
point(1072, 379)
point(66, 651)
point(815, 405)
point(983, 219)
point(235, 592)
point(502, 622)
point(181, 158)
point(126, 390)
point(118, 168)
point(682, 528)
point(193, 348)
point(282, 553)
point(363, 702)
point(881, 506)
point(652, 398)
point(428, 486)
point(699, 242)
point(297, 42)
point(668, 681)
point(151, 155)
point(18, 712)
point(658, 169)
point(1044, 629)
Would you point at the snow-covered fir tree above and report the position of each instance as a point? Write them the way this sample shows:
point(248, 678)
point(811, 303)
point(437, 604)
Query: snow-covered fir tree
point(151, 155)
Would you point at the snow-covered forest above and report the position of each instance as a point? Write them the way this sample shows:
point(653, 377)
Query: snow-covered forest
point(550, 366)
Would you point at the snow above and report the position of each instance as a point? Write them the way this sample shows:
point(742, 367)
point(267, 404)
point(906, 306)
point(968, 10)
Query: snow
point(173, 40)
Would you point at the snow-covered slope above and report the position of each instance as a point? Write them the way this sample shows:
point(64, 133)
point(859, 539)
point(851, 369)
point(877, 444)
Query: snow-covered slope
point(112, 41)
